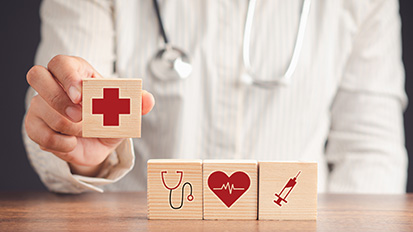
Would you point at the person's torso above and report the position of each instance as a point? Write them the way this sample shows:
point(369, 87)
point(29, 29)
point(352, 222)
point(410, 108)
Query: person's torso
point(212, 114)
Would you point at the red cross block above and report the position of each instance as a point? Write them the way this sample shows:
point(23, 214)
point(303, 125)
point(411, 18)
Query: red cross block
point(111, 106)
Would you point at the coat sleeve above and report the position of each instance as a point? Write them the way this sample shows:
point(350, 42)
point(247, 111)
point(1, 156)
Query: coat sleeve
point(366, 143)
point(83, 28)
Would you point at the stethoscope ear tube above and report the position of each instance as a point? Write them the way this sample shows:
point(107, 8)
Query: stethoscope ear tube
point(248, 76)
point(181, 175)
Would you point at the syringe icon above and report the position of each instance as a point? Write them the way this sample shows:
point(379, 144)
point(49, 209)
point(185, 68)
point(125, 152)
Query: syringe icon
point(290, 185)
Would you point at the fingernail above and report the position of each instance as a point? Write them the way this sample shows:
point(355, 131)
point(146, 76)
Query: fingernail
point(74, 113)
point(74, 94)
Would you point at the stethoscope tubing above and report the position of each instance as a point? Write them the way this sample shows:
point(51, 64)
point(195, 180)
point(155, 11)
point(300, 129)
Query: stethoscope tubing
point(250, 78)
point(189, 198)
point(160, 22)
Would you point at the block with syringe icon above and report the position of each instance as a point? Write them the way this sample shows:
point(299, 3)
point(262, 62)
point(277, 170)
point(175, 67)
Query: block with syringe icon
point(287, 191)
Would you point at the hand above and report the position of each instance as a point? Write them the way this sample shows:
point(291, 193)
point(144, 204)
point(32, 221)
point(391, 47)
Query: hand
point(53, 119)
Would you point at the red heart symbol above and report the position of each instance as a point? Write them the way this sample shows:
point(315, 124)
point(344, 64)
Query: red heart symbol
point(229, 189)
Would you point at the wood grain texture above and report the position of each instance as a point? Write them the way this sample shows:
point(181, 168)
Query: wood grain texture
point(158, 195)
point(301, 201)
point(246, 206)
point(44, 211)
point(129, 124)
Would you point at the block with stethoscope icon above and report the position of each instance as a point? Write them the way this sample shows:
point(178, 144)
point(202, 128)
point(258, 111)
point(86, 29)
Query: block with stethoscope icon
point(230, 189)
point(174, 189)
point(287, 191)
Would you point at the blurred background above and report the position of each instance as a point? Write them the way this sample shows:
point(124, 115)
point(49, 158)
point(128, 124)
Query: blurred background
point(19, 40)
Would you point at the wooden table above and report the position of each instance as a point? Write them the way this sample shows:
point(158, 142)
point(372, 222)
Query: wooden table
point(42, 211)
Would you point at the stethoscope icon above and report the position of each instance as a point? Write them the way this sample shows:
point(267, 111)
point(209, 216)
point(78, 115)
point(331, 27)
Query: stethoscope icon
point(190, 197)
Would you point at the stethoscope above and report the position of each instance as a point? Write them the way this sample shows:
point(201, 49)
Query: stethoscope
point(190, 197)
point(171, 63)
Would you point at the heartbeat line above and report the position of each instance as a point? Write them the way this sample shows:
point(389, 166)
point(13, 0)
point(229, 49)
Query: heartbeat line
point(230, 188)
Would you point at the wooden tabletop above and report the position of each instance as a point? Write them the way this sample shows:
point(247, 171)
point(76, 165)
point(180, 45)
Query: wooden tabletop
point(43, 211)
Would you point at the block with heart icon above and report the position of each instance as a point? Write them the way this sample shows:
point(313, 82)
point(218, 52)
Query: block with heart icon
point(111, 108)
point(287, 191)
point(174, 189)
point(230, 189)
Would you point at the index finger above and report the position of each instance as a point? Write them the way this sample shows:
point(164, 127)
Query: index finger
point(69, 72)
point(46, 86)
point(65, 70)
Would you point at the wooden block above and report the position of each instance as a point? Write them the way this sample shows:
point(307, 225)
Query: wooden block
point(112, 108)
point(287, 191)
point(170, 184)
point(230, 189)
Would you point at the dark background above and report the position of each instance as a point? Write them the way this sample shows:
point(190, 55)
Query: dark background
point(19, 39)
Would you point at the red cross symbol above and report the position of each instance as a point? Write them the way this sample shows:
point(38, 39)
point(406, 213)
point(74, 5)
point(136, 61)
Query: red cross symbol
point(111, 106)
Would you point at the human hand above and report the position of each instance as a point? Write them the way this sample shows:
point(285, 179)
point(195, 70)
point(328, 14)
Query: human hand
point(54, 117)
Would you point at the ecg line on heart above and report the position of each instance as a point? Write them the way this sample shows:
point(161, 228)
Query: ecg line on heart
point(229, 187)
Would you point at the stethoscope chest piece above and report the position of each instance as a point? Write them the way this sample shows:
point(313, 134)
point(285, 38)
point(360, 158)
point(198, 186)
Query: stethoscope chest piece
point(171, 63)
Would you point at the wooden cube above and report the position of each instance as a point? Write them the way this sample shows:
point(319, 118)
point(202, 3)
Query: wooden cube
point(287, 191)
point(230, 189)
point(175, 189)
point(112, 108)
